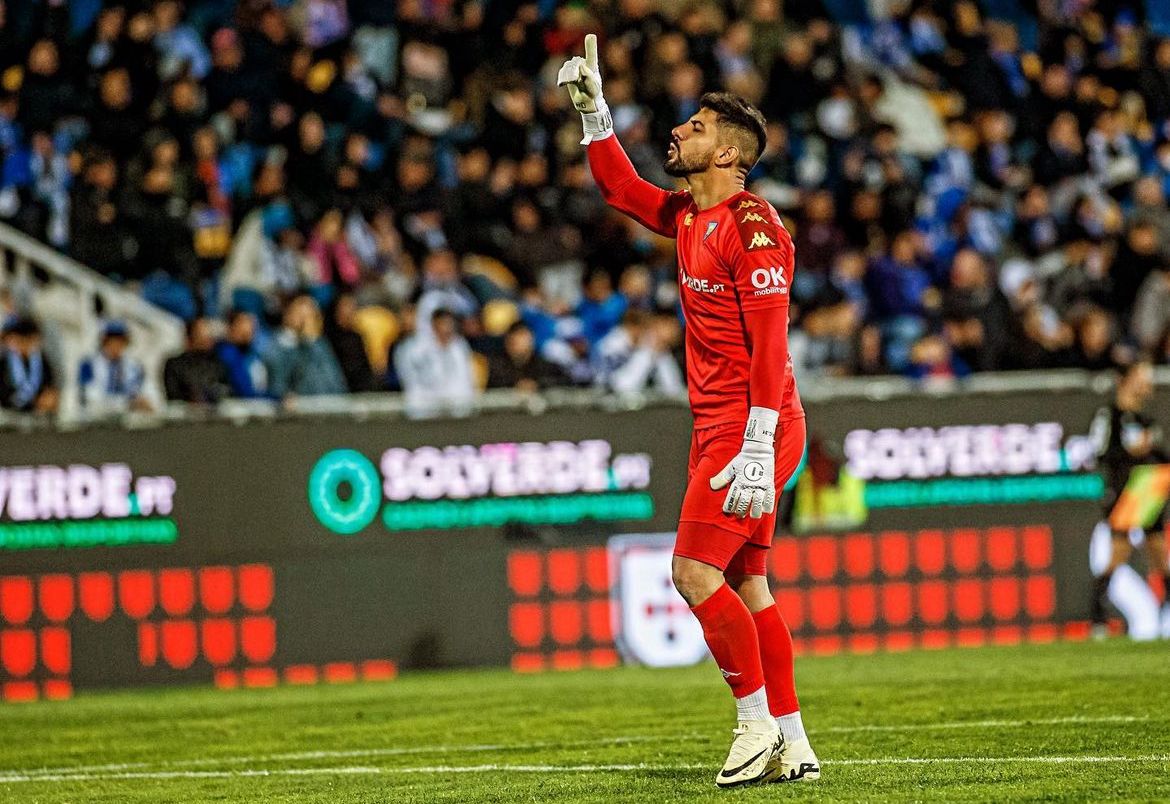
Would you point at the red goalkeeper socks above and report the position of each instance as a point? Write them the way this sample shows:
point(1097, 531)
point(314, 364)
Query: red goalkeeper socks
point(731, 636)
point(776, 656)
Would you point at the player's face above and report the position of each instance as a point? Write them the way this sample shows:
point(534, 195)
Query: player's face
point(692, 145)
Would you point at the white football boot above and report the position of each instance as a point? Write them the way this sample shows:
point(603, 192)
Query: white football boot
point(794, 762)
point(755, 743)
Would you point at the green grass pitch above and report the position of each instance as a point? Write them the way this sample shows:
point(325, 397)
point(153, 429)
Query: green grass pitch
point(1062, 722)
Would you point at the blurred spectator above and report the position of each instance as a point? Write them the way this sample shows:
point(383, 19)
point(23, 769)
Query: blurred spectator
point(1151, 315)
point(27, 382)
point(300, 361)
point(520, 367)
point(638, 355)
point(902, 294)
point(818, 239)
point(1037, 230)
point(543, 254)
point(334, 262)
point(443, 287)
point(1112, 154)
point(349, 346)
point(830, 316)
point(435, 367)
point(111, 381)
point(246, 372)
point(1063, 153)
point(266, 262)
point(932, 359)
point(222, 156)
point(1149, 205)
point(34, 189)
point(196, 375)
point(47, 92)
point(1040, 340)
point(99, 229)
point(868, 358)
point(1097, 348)
point(974, 312)
point(602, 308)
point(179, 47)
point(1139, 256)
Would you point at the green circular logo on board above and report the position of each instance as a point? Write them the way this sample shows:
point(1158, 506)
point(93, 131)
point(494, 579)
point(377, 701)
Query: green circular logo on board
point(334, 472)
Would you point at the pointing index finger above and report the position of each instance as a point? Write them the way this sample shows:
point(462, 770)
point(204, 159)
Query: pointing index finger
point(591, 51)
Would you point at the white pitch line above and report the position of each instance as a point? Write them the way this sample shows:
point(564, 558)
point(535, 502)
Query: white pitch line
point(354, 753)
point(354, 770)
point(983, 724)
point(499, 768)
point(501, 747)
point(1046, 760)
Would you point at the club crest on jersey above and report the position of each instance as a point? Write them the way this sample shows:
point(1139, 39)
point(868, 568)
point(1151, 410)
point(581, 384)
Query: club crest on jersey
point(710, 228)
point(760, 240)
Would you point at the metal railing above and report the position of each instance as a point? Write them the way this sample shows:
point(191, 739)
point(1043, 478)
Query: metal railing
point(70, 302)
point(363, 407)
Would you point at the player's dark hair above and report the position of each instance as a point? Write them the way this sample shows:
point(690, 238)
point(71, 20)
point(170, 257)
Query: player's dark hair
point(743, 121)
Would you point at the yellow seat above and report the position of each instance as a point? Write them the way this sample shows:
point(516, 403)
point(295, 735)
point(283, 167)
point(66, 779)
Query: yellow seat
point(379, 328)
point(498, 315)
point(479, 370)
point(491, 269)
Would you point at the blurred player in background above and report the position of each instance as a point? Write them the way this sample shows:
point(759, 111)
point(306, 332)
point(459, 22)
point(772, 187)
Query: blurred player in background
point(1127, 437)
point(735, 263)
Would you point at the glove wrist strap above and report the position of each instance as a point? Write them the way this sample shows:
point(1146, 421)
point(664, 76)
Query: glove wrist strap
point(762, 425)
point(598, 125)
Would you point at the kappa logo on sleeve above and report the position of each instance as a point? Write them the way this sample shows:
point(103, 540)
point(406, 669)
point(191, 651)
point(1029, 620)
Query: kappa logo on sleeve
point(757, 225)
point(760, 240)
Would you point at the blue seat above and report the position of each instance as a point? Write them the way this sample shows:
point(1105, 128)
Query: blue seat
point(170, 294)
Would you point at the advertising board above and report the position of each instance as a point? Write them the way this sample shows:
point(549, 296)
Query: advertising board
point(309, 550)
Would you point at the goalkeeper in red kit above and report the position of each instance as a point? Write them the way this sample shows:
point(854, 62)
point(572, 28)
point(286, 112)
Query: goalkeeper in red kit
point(735, 263)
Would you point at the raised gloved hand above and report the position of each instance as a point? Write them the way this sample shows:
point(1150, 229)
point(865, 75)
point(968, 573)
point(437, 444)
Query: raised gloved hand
point(752, 473)
point(582, 77)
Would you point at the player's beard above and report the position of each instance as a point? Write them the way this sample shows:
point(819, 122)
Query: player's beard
point(681, 167)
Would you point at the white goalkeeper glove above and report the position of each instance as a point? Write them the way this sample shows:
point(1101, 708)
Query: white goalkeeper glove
point(583, 79)
point(752, 473)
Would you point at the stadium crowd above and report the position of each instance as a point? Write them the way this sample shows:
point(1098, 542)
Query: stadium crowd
point(369, 195)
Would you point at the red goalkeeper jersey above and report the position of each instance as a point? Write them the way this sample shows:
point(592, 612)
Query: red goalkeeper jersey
point(735, 263)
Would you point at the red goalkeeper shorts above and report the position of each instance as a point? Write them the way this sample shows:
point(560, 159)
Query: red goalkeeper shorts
point(705, 533)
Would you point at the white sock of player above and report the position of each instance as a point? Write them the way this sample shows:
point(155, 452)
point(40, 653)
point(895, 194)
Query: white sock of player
point(753, 707)
point(791, 726)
